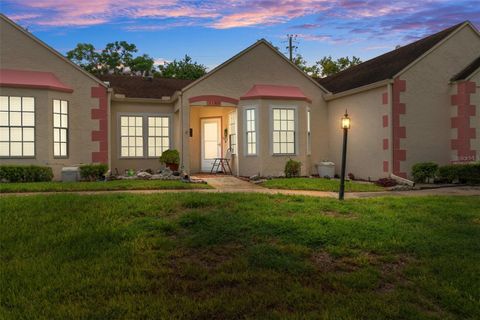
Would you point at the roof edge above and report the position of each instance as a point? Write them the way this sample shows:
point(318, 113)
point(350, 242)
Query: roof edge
point(46, 46)
point(356, 90)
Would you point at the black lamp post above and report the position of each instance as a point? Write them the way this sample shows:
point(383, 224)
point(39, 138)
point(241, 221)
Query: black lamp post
point(345, 127)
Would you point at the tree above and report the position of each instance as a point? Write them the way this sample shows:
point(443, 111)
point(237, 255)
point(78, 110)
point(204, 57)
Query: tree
point(182, 69)
point(328, 66)
point(85, 56)
point(300, 62)
point(117, 55)
point(142, 64)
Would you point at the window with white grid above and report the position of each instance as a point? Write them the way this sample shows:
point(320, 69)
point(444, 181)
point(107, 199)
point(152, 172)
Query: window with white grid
point(283, 131)
point(60, 128)
point(17, 126)
point(158, 135)
point(309, 136)
point(232, 129)
point(131, 136)
point(251, 132)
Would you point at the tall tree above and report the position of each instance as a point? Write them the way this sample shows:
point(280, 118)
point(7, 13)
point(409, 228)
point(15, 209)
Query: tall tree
point(300, 62)
point(182, 69)
point(86, 56)
point(142, 64)
point(327, 66)
point(117, 55)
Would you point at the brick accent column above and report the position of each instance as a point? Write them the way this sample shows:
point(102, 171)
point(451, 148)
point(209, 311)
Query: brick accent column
point(399, 131)
point(460, 124)
point(100, 113)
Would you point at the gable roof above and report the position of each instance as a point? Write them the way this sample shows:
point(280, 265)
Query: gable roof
point(468, 71)
point(241, 53)
point(141, 87)
point(46, 46)
point(385, 66)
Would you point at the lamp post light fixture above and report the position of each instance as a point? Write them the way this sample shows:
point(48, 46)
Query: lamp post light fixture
point(345, 127)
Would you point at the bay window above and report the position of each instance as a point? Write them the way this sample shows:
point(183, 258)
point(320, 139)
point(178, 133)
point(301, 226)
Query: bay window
point(283, 135)
point(17, 126)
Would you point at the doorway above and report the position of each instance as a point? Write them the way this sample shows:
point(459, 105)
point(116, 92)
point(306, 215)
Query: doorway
point(211, 141)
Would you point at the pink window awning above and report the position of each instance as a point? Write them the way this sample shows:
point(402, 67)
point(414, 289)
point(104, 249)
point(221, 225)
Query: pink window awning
point(276, 92)
point(13, 78)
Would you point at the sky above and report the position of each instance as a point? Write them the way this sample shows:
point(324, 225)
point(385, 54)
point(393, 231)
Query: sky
point(213, 31)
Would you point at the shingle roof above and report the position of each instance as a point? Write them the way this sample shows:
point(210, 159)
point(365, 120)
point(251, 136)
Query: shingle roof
point(471, 68)
point(385, 66)
point(141, 87)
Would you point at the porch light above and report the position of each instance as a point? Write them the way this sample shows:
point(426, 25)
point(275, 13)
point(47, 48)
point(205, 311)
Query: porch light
point(345, 127)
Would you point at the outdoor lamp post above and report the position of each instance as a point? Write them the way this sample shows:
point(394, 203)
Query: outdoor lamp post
point(345, 127)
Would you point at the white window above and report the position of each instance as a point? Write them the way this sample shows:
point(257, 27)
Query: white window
point(309, 136)
point(232, 130)
point(17, 126)
point(283, 131)
point(158, 135)
point(251, 131)
point(131, 136)
point(60, 128)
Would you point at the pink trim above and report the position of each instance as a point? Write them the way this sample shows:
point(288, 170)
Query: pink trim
point(385, 166)
point(385, 144)
point(32, 80)
point(399, 132)
point(385, 121)
point(213, 100)
point(461, 122)
point(385, 98)
point(275, 92)
point(100, 114)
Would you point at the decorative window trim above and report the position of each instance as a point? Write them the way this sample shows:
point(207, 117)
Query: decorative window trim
point(245, 132)
point(144, 117)
point(233, 115)
point(67, 128)
point(296, 144)
point(8, 126)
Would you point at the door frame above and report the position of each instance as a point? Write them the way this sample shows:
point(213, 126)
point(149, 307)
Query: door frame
point(220, 121)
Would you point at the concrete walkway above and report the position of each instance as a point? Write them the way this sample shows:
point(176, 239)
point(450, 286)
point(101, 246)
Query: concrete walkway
point(229, 184)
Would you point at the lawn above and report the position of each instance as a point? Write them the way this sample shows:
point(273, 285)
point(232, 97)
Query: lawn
point(98, 186)
point(231, 256)
point(319, 184)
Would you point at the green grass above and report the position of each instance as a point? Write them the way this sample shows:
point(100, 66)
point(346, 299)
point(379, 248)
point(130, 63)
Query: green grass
point(319, 184)
point(98, 186)
point(235, 256)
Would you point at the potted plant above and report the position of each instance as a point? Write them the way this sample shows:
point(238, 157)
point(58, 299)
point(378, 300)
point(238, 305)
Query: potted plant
point(171, 158)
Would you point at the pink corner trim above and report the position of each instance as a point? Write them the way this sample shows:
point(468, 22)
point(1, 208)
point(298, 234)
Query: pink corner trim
point(385, 166)
point(100, 114)
point(385, 144)
point(213, 100)
point(385, 98)
point(461, 123)
point(399, 132)
point(385, 121)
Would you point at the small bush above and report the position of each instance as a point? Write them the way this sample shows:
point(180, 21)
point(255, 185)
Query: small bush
point(351, 176)
point(170, 157)
point(386, 182)
point(424, 171)
point(15, 173)
point(292, 168)
point(463, 173)
point(93, 172)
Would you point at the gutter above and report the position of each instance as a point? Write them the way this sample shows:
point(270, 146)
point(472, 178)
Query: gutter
point(329, 97)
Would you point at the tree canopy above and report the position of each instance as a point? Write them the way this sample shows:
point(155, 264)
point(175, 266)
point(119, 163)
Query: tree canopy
point(182, 69)
point(326, 66)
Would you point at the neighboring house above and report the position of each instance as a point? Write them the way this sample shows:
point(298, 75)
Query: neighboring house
point(416, 103)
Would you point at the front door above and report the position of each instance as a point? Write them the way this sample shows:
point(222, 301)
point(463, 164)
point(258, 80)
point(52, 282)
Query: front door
point(211, 142)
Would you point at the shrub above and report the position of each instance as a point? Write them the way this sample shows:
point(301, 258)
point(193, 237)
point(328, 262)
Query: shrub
point(424, 171)
point(15, 173)
point(170, 157)
point(351, 176)
point(93, 172)
point(292, 168)
point(386, 182)
point(463, 173)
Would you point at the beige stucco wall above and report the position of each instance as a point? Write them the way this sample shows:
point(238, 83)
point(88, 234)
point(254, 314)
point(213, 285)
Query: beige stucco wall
point(261, 65)
point(475, 121)
point(365, 154)
point(428, 99)
point(139, 109)
point(18, 51)
point(196, 115)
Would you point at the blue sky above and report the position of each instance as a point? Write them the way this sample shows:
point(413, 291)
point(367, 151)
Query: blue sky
point(213, 31)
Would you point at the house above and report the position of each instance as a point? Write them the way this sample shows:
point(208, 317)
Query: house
point(416, 103)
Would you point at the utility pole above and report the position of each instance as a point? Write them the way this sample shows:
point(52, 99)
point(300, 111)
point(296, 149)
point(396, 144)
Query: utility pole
point(291, 47)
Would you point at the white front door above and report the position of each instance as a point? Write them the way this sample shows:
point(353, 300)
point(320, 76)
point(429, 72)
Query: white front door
point(211, 142)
